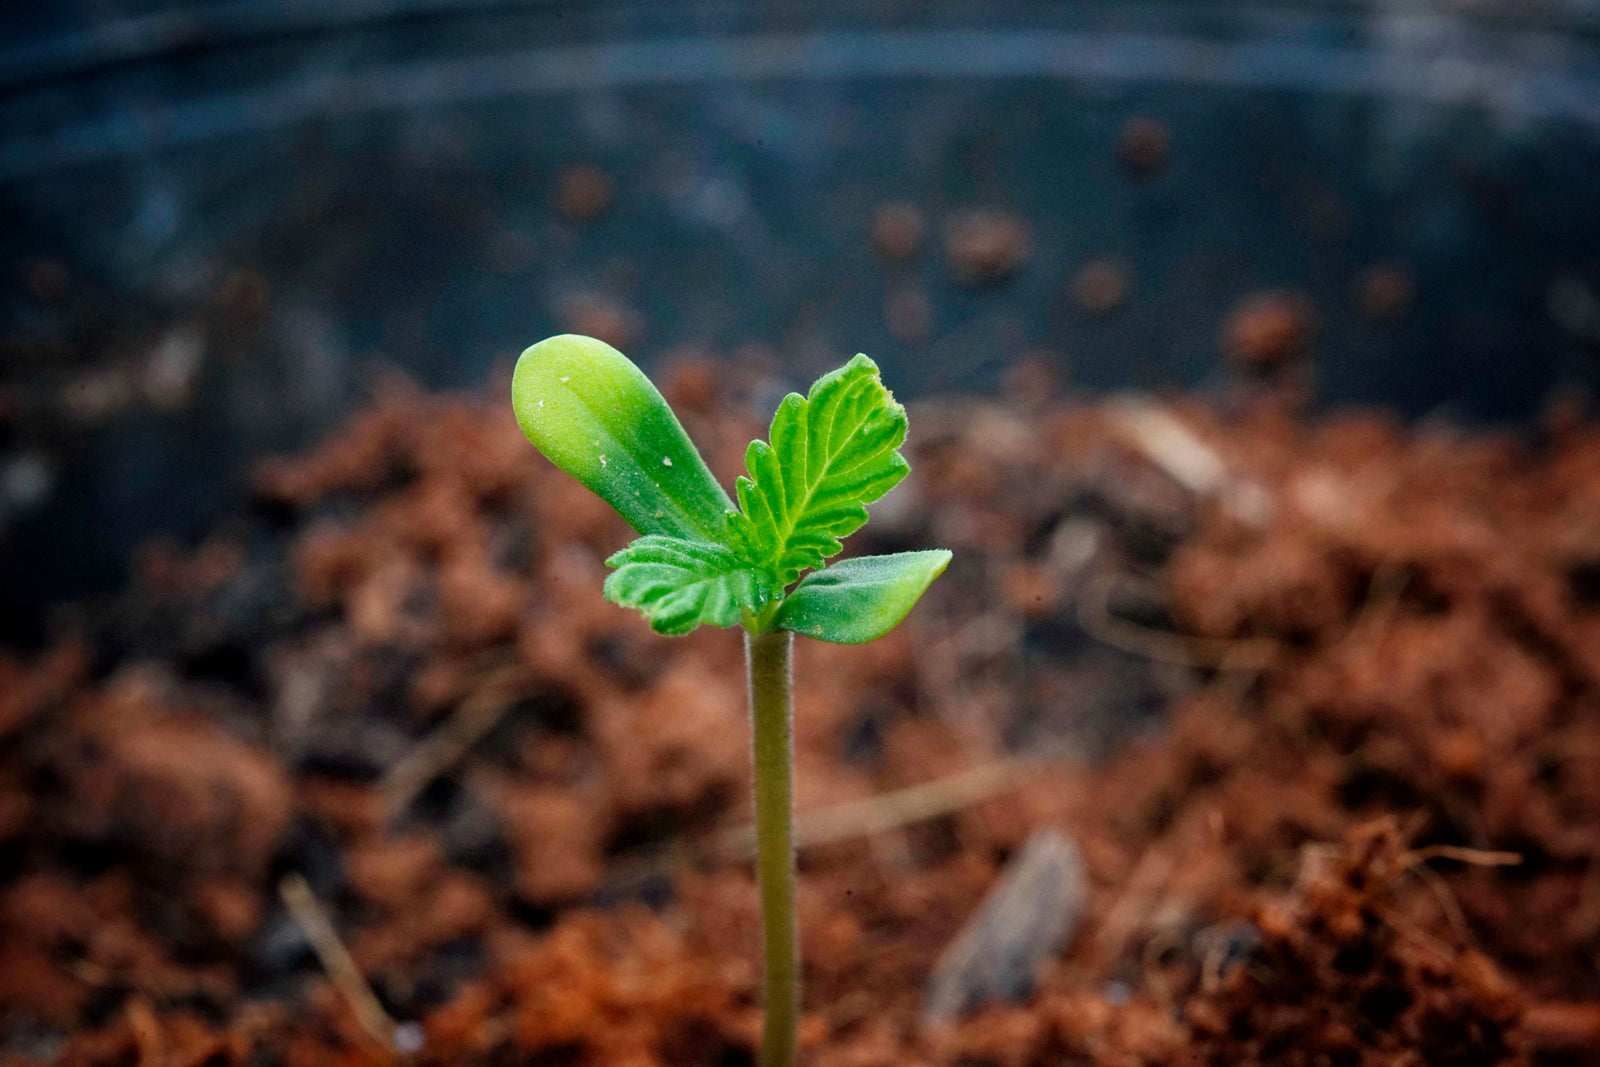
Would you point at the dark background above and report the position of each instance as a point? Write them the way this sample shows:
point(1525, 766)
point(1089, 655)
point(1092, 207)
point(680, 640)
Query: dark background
point(224, 221)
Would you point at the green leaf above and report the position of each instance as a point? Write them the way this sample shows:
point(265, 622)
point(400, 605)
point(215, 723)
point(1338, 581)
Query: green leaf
point(860, 599)
point(831, 454)
point(679, 584)
point(597, 417)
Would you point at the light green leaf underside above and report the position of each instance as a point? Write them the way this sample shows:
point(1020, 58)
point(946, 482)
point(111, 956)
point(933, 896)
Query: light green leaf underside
point(597, 417)
point(679, 584)
point(858, 600)
point(831, 453)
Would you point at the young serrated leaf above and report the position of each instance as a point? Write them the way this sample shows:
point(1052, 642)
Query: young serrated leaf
point(860, 599)
point(678, 584)
point(831, 454)
point(597, 417)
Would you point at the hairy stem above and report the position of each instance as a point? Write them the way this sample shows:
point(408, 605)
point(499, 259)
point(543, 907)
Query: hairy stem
point(771, 719)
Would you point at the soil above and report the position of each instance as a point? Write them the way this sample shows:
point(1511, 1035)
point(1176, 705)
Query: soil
point(1144, 148)
point(986, 246)
point(897, 230)
point(1101, 286)
point(1317, 702)
point(1264, 331)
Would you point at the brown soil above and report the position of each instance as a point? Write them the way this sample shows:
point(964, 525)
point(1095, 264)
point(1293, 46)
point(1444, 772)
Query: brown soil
point(1267, 330)
point(1336, 677)
point(1101, 286)
point(1144, 147)
point(896, 231)
point(985, 246)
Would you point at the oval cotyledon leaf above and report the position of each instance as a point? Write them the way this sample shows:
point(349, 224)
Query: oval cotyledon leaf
point(857, 600)
point(597, 417)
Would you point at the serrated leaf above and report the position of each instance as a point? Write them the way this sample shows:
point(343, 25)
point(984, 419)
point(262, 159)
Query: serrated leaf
point(831, 454)
point(860, 599)
point(678, 584)
point(597, 417)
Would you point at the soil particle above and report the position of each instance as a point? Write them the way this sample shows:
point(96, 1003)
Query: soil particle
point(897, 231)
point(985, 246)
point(1032, 381)
point(1267, 331)
point(28, 690)
point(664, 749)
point(1144, 148)
point(228, 909)
point(1101, 286)
point(1573, 1029)
point(558, 839)
point(390, 871)
point(173, 790)
point(662, 1003)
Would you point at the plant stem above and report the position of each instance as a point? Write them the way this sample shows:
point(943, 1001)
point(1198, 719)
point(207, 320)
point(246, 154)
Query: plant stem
point(772, 729)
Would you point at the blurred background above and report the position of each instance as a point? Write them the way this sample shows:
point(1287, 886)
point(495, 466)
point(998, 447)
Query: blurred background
point(1249, 349)
point(224, 220)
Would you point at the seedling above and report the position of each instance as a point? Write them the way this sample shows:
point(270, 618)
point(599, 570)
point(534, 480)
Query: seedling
point(699, 559)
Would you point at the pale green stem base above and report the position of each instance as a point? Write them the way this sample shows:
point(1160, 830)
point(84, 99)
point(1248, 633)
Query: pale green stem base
point(771, 721)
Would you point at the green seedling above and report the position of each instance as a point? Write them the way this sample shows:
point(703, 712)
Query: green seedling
point(759, 565)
